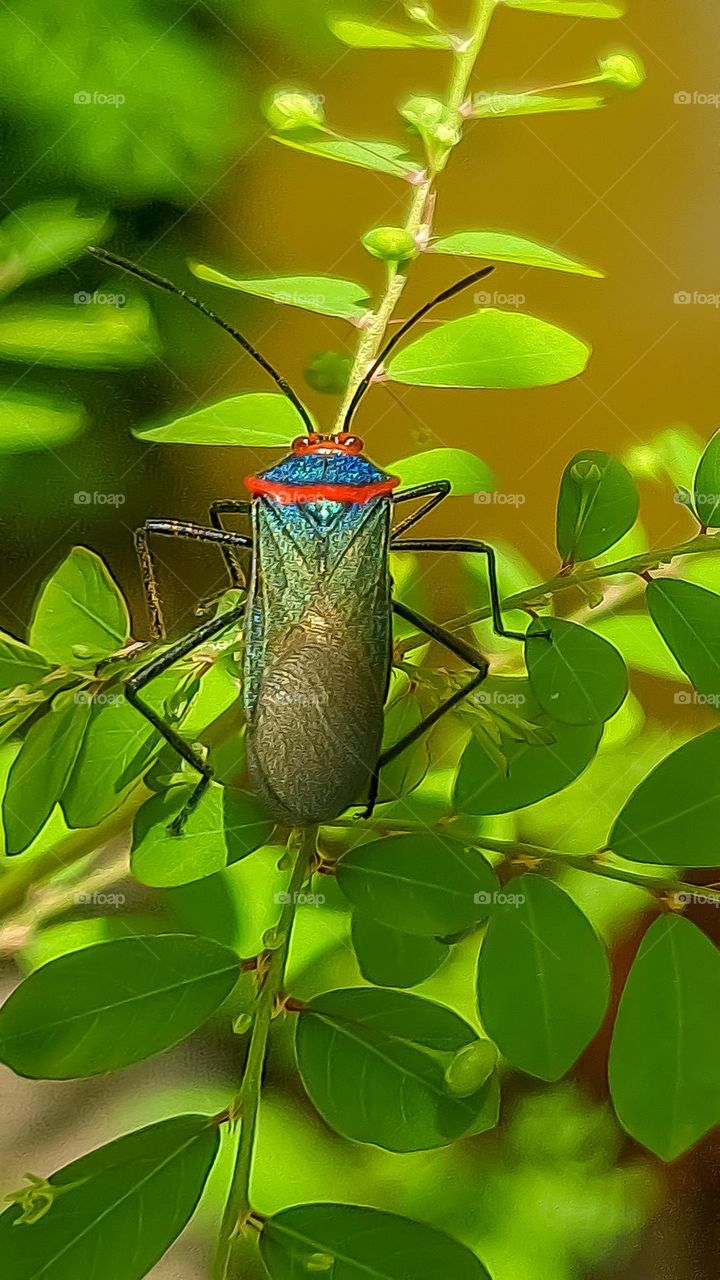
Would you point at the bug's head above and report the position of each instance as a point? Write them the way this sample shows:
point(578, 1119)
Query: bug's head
point(342, 443)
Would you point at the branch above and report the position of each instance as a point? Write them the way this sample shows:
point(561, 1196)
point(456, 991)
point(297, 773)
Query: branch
point(420, 209)
point(247, 1104)
point(531, 597)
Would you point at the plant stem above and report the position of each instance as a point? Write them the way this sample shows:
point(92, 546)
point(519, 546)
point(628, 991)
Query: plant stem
point(247, 1103)
point(34, 869)
point(596, 863)
point(646, 560)
point(372, 337)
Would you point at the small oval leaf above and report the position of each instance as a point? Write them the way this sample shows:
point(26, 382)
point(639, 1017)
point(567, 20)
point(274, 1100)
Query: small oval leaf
point(226, 826)
point(543, 979)
point(688, 619)
point(576, 676)
point(491, 348)
point(706, 487)
point(106, 1006)
point(467, 473)
point(261, 420)
point(360, 35)
point(323, 294)
point(597, 505)
point(504, 246)
point(389, 958)
point(39, 772)
point(80, 615)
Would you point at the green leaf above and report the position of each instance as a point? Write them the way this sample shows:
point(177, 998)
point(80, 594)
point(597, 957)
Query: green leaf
point(570, 8)
point(19, 664)
point(490, 349)
point(40, 238)
point(360, 35)
point(665, 1055)
point(706, 488)
point(323, 294)
point(467, 473)
point(576, 676)
point(30, 425)
point(401, 776)
point(85, 335)
point(389, 958)
point(106, 1006)
point(635, 635)
point(382, 157)
point(688, 619)
point(674, 815)
point(351, 1242)
point(116, 1210)
point(536, 766)
point(431, 885)
point(504, 246)
point(500, 105)
point(597, 505)
point(117, 747)
point(226, 826)
point(80, 615)
point(373, 1063)
point(543, 979)
point(40, 770)
point(261, 420)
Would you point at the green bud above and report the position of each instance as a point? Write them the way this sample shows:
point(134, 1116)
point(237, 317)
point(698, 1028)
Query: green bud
point(274, 939)
point(471, 1068)
point(35, 1200)
point(623, 69)
point(391, 244)
point(586, 473)
point(319, 1263)
point(329, 372)
point(288, 111)
point(422, 13)
point(242, 1024)
point(423, 114)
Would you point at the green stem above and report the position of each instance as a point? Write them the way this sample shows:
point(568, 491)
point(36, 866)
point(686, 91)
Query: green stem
point(30, 870)
point(372, 337)
point(596, 863)
point(647, 560)
point(247, 1104)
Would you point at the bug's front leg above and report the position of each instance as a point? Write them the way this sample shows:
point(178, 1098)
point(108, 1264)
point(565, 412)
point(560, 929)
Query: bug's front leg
point(140, 679)
point(460, 649)
point(230, 507)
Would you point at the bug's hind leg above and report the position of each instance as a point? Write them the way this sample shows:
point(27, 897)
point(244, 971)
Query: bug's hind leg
point(138, 681)
point(461, 650)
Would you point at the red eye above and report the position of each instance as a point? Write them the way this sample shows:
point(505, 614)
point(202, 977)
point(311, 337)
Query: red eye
point(306, 442)
point(353, 444)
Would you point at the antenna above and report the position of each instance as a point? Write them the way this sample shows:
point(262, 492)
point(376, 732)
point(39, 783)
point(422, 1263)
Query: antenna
point(160, 282)
point(398, 337)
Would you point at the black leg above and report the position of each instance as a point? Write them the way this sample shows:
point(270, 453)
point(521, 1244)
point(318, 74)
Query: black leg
point(472, 545)
point(173, 529)
point(229, 506)
point(461, 650)
point(436, 489)
point(156, 667)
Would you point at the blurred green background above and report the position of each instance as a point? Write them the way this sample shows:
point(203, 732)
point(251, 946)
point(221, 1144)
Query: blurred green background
point(149, 116)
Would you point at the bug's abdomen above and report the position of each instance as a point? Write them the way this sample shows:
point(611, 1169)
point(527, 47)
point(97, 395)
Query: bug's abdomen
point(315, 731)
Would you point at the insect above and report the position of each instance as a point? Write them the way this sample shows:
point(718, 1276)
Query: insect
point(317, 620)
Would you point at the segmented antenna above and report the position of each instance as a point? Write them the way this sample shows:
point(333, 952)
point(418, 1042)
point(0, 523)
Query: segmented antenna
point(160, 282)
point(398, 337)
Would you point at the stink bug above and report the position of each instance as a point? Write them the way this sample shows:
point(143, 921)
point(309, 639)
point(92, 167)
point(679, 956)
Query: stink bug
point(318, 615)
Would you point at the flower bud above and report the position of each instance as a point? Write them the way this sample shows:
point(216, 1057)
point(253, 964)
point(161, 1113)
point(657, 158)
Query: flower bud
point(470, 1068)
point(391, 244)
point(329, 373)
point(288, 111)
point(623, 69)
point(586, 473)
